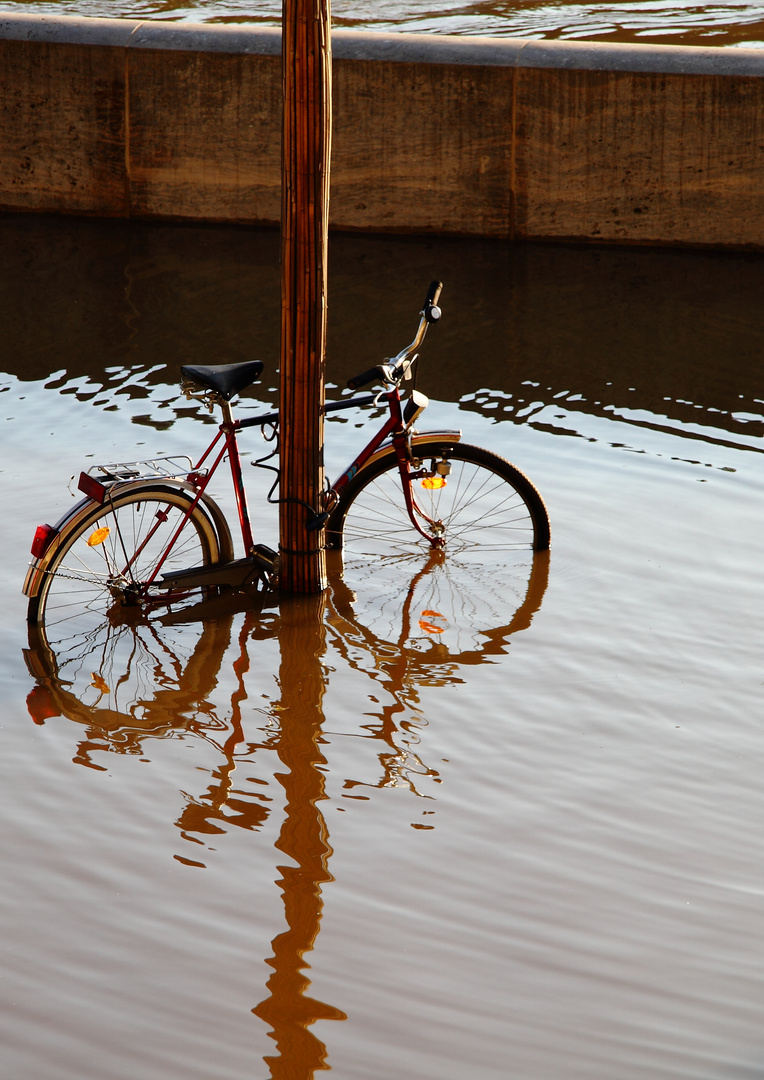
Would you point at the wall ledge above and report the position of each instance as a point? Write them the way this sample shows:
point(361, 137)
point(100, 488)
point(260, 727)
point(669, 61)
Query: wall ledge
point(400, 48)
point(470, 136)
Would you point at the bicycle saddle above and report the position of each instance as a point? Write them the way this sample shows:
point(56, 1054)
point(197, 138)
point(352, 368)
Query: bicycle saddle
point(224, 379)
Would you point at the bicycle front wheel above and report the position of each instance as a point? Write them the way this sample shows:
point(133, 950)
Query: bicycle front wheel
point(479, 505)
point(106, 559)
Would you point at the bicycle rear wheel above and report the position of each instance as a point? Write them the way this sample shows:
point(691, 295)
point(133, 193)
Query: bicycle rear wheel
point(483, 509)
point(104, 560)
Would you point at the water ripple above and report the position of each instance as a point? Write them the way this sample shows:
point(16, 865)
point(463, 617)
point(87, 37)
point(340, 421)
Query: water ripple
point(647, 21)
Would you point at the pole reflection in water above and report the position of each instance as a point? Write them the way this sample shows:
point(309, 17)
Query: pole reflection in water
point(304, 839)
point(410, 625)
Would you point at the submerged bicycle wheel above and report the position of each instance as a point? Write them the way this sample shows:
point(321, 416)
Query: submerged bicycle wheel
point(478, 504)
point(455, 602)
point(102, 564)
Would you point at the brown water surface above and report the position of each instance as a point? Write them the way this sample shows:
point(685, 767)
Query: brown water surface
point(733, 23)
point(522, 838)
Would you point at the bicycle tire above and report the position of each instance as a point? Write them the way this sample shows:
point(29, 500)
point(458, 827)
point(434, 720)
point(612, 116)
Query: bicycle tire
point(486, 507)
point(76, 589)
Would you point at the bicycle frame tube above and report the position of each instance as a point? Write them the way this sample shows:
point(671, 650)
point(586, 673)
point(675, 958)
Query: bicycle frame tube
point(394, 424)
point(238, 487)
point(194, 503)
point(412, 506)
point(393, 427)
point(227, 432)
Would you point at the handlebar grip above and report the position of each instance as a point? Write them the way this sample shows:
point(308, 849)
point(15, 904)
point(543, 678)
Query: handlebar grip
point(365, 377)
point(431, 311)
point(433, 293)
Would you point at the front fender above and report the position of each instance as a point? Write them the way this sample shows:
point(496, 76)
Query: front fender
point(416, 439)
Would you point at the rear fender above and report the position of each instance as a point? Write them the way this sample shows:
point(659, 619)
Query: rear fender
point(72, 520)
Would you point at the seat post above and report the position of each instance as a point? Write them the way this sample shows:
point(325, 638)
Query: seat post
point(229, 427)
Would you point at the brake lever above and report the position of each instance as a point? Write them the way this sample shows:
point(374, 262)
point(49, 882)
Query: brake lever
point(403, 370)
point(407, 367)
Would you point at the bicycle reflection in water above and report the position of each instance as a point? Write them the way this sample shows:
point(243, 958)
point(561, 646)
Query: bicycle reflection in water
point(137, 678)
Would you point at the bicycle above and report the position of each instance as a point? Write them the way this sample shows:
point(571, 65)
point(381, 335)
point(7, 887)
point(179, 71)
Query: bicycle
point(148, 534)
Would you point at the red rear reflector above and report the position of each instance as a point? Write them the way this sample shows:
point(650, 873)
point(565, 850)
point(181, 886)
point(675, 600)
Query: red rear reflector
point(42, 538)
point(92, 488)
point(41, 705)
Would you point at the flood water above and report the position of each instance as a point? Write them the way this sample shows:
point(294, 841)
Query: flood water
point(718, 22)
point(524, 841)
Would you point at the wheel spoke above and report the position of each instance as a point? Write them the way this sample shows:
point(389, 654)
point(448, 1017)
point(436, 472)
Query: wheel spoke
point(485, 506)
point(461, 596)
point(86, 582)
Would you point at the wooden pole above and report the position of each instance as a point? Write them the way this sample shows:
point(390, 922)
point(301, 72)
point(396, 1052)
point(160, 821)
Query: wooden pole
point(306, 146)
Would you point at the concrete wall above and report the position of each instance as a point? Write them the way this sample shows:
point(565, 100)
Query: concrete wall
point(475, 136)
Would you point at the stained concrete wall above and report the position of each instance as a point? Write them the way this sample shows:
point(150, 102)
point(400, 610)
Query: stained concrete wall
point(474, 136)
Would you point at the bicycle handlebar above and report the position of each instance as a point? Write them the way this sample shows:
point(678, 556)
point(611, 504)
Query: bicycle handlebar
point(431, 311)
point(393, 370)
point(372, 375)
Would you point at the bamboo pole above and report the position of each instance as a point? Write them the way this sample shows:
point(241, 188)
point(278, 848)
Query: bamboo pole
point(306, 145)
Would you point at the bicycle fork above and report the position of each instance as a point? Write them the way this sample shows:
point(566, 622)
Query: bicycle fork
point(403, 453)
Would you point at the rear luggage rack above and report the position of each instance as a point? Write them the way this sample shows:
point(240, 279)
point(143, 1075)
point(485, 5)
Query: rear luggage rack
point(98, 478)
point(157, 468)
